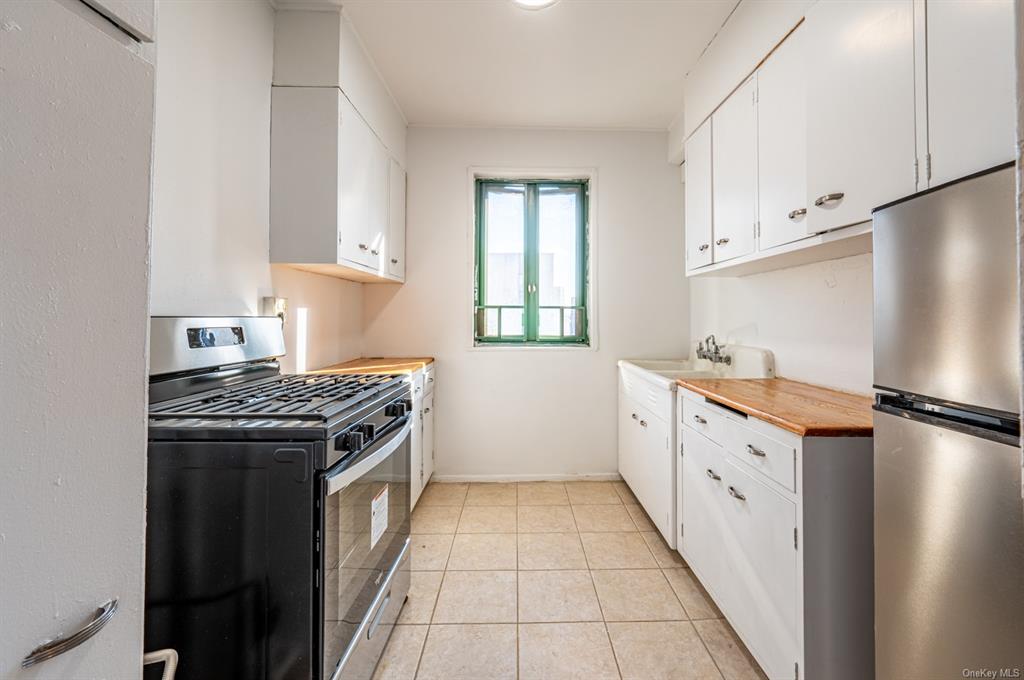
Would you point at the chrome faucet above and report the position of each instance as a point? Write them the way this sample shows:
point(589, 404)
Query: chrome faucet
point(709, 349)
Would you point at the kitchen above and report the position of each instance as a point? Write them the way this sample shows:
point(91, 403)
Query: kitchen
point(573, 296)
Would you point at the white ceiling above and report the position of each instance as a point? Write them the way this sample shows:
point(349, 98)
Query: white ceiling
point(579, 64)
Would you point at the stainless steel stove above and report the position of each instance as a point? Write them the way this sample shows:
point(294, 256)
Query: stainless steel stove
point(278, 506)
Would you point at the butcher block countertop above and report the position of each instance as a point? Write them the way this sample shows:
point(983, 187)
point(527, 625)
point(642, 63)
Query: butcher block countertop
point(378, 365)
point(806, 410)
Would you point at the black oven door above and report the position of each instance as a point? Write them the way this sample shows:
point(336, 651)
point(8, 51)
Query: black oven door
point(365, 552)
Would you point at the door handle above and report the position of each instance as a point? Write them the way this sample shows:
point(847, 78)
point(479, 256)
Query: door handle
point(56, 647)
point(829, 198)
point(721, 241)
point(634, 416)
point(394, 260)
point(363, 246)
point(712, 475)
point(703, 247)
point(736, 494)
point(375, 252)
point(643, 423)
point(799, 212)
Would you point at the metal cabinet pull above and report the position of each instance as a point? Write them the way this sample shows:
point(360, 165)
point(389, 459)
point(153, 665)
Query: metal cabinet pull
point(426, 410)
point(712, 475)
point(53, 648)
point(643, 423)
point(721, 241)
point(363, 246)
point(736, 494)
point(703, 247)
point(634, 416)
point(702, 421)
point(375, 252)
point(394, 260)
point(829, 198)
point(799, 212)
point(754, 451)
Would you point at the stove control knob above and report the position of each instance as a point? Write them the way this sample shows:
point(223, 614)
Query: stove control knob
point(395, 410)
point(369, 430)
point(350, 441)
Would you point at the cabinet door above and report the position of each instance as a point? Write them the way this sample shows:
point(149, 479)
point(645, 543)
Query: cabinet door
point(658, 465)
point(396, 220)
point(970, 86)
point(697, 170)
point(734, 174)
point(428, 437)
point(763, 555)
point(627, 440)
point(860, 108)
point(417, 478)
point(355, 184)
point(703, 520)
point(782, 145)
point(379, 169)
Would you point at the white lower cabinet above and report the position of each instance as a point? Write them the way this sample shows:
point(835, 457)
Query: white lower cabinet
point(422, 435)
point(778, 528)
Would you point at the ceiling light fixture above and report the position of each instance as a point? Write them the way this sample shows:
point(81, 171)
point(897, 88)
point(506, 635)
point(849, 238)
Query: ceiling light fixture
point(534, 4)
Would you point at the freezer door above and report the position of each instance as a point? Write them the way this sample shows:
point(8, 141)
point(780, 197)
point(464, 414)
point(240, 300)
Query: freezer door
point(949, 552)
point(945, 282)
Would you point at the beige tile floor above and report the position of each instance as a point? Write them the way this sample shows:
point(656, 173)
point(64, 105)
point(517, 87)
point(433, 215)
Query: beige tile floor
point(551, 580)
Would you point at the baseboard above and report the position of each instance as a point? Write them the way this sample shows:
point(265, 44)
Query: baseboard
point(585, 477)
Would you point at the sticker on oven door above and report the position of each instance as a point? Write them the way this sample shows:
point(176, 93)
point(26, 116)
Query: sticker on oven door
point(378, 516)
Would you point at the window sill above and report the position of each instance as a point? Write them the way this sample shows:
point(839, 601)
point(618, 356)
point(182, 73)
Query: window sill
point(531, 346)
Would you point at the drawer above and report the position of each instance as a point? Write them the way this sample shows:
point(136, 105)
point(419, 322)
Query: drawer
point(705, 419)
point(428, 379)
point(654, 398)
point(772, 458)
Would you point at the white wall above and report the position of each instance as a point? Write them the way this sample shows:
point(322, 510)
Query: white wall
point(517, 413)
point(815, 318)
point(211, 184)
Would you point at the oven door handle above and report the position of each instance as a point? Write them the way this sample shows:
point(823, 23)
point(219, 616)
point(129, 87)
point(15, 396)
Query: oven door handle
point(340, 480)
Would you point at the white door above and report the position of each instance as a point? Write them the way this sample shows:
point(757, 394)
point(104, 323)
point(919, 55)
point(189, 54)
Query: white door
point(860, 108)
point(697, 170)
point(657, 462)
point(428, 437)
point(763, 555)
point(356, 179)
point(703, 528)
point(77, 112)
point(396, 220)
point(734, 173)
point(782, 145)
point(971, 86)
point(627, 440)
point(379, 169)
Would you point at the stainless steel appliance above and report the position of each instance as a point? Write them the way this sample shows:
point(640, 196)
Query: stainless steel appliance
point(277, 536)
point(949, 517)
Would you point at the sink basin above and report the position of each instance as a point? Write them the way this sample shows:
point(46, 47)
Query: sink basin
point(747, 362)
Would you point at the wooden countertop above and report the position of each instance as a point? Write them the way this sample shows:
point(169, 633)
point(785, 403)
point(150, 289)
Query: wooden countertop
point(807, 410)
point(378, 365)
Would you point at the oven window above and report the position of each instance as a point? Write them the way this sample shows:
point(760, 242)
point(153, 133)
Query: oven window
point(366, 524)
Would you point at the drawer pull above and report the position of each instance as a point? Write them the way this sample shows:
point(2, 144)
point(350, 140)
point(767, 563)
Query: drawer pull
point(754, 451)
point(799, 212)
point(721, 241)
point(702, 421)
point(712, 475)
point(736, 494)
point(58, 646)
point(643, 423)
point(829, 198)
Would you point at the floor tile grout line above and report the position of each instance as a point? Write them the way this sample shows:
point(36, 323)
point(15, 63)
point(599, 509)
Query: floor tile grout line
point(704, 644)
point(611, 645)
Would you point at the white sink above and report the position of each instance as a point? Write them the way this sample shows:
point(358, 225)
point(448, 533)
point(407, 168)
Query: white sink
point(747, 362)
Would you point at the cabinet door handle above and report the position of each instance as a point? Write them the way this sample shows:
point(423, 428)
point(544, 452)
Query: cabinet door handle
point(736, 494)
point(426, 410)
point(799, 212)
point(363, 246)
point(702, 421)
point(829, 198)
point(375, 252)
point(754, 451)
point(394, 260)
point(634, 416)
point(56, 647)
point(721, 241)
point(712, 475)
point(703, 247)
point(643, 423)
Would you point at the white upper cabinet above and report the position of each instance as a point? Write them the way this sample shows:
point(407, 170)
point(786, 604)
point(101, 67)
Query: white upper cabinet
point(970, 86)
point(698, 197)
point(734, 173)
point(396, 221)
point(782, 144)
point(860, 108)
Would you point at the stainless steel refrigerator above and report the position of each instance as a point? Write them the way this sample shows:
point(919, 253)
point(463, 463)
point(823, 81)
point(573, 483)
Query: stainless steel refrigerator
point(949, 516)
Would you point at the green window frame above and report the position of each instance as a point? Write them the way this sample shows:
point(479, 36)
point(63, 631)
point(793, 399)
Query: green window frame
point(573, 319)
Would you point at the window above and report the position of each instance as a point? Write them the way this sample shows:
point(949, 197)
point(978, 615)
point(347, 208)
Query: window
point(531, 262)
